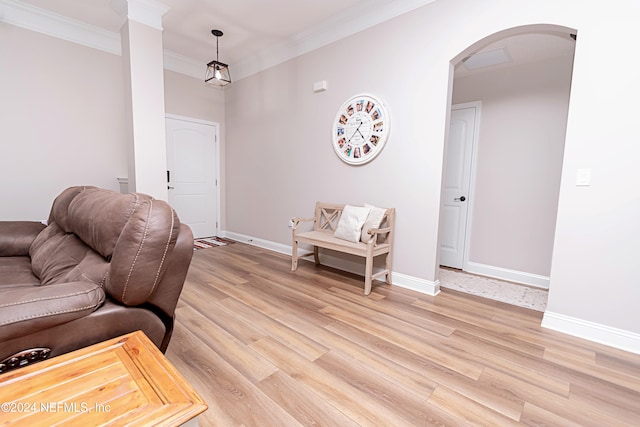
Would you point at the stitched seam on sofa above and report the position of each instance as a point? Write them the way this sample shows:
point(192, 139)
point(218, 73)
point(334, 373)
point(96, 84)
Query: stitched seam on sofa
point(34, 316)
point(100, 283)
point(48, 298)
point(134, 205)
point(164, 256)
point(135, 259)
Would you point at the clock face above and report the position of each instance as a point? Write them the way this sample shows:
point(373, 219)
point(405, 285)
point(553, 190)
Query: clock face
point(360, 129)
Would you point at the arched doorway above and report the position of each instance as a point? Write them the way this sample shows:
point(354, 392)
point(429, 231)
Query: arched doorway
point(521, 78)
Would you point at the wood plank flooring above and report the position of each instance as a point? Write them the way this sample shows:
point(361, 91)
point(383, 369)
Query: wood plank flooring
point(265, 346)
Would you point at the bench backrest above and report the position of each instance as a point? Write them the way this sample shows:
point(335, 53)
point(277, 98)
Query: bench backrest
point(327, 216)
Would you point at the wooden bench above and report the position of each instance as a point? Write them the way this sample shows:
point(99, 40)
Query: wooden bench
point(325, 222)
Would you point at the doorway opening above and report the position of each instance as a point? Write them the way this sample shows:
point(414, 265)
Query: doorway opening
point(501, 176)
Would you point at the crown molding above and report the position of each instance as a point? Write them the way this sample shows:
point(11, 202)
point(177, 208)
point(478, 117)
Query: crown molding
point(349, 22)
point(148, 12)
point(42, 21)
point(184, 65)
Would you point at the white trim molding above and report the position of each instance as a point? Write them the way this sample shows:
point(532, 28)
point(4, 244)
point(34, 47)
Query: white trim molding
point(254, 241)
point(42, 21)
point(398, 279)
point(149, 12)
point(184, 65)
point(348, 22)
point(618, 338)
point(417, 284)
point(530, 279)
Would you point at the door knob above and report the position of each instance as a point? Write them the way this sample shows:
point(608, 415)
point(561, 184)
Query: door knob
point(460, 199)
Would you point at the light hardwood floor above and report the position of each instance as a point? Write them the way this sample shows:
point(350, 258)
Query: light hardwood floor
point(265, 346)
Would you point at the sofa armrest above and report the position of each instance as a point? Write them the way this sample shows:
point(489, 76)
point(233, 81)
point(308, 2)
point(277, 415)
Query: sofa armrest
point(26, 309)
point(16, 236)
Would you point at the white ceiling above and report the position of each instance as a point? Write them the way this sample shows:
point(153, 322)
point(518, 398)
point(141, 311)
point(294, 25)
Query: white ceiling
point(250, 27)
point(523, 49)
point(255, 30)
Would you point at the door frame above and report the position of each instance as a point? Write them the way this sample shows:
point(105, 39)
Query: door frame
point(472, 175)
point(216, 153)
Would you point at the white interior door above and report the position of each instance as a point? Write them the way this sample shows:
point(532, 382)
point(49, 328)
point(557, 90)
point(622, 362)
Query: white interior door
point(192, 174)
point(456, 186)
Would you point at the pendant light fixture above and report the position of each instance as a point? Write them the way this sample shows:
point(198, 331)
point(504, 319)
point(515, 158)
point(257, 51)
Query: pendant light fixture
point(217, 72)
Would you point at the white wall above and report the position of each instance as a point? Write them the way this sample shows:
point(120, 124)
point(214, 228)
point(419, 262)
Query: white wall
point(61, 121)
point(280, 161)
point(519, 162)
point(594, 274)
point(279, 154)
point(62, 118)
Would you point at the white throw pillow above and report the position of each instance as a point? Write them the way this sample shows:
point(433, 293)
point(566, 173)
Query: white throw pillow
point(373, 221)
point(350, 224)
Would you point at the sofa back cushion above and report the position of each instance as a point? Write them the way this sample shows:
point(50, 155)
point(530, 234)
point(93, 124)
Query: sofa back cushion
point(59, 257)
point(120, 241)
point(98, 216)
point(60, 210)
point(139, 258)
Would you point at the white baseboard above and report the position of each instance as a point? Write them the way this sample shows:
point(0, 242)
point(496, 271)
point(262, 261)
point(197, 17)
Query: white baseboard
point(265, 244)
point(415, 283)
point(398, 279)
point(602, 334)
point(506, 274)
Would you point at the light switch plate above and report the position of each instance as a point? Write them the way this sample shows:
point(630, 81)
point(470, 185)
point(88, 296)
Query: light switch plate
point(583, 177)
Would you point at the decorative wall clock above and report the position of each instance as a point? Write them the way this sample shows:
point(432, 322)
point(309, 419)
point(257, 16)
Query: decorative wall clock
point(360, 129)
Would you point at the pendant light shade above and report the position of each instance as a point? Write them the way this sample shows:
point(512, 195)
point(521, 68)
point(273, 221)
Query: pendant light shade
point(217, 72)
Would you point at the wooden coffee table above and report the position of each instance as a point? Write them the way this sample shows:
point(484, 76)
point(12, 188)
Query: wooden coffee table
point(126, 380)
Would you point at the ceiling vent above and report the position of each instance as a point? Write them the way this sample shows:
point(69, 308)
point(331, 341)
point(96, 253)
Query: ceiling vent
point(487, 58)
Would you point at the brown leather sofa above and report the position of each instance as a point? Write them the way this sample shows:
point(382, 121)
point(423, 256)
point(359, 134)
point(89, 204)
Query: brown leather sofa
point(105, 265)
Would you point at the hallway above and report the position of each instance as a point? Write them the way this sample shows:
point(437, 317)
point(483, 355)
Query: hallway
point(495, 289)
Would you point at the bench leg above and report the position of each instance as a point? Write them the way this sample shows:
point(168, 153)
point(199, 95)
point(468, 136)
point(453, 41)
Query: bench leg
point(387, 265)
point(294, 256)
point(315, 255)
point(368, 272)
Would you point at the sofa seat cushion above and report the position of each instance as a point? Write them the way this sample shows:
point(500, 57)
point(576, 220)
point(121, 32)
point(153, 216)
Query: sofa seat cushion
point(24, 310)
point(16, 271)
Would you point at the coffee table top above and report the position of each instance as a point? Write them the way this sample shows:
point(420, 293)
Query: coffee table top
point(119, 381)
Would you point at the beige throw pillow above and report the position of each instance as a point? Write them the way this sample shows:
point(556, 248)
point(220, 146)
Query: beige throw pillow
point(350, 224)
point(373, 221)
